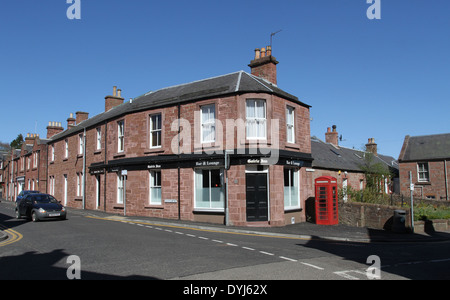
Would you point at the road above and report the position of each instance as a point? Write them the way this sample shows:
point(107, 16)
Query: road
point(114, 247)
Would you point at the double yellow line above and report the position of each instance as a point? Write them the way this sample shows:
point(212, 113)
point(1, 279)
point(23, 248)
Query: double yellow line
point(13, 236)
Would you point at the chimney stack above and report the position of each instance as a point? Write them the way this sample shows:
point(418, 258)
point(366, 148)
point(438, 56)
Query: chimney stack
point(54, 128)
point(71, 121)
point(81, 116)
point(332, 136)
point(114, 100)
point(372, 147)
point(264, 65)
point(29, 140)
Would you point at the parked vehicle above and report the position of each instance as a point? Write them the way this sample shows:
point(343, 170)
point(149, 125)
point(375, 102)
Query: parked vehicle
point(23, 194)
point(40, 207)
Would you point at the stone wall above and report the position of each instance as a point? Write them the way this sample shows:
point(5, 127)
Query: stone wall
point(369, 215)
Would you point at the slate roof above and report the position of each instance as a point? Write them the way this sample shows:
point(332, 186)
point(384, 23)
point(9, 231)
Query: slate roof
point(327, 156)
point(229, 84)
point(426, 147)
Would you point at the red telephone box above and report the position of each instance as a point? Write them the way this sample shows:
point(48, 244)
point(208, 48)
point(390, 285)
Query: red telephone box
point(326, 201)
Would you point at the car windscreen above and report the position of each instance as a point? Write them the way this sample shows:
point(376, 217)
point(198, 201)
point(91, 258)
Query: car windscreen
point(44, 199)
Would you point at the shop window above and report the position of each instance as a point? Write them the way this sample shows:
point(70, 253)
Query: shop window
point(291, 189)
point(209, 189)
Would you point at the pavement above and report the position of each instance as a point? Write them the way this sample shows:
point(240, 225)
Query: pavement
point(305, 231)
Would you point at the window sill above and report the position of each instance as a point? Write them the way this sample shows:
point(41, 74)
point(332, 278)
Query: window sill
point(255, 142)
point(423, 183)
point(154, 150)
point(292, 209)
point(293, 145)
point(120, 154)
point(154, 206)
point(209, 210)
point(207, 146)
point(98, 152)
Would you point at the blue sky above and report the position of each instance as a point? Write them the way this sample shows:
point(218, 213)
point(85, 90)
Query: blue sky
point(372, 78)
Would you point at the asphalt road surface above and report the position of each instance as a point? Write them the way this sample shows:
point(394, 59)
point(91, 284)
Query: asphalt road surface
point(126, 248)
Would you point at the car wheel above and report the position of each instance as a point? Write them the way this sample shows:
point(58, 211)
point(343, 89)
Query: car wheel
point(34, 217)
point(18, 216)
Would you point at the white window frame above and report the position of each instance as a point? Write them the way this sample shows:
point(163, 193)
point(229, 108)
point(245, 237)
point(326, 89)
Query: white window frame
point(35, 160)
point(154, 174)
point(196, 177)
point(120, 180)
point(208, 125)
point(290, 124)
point(79, 184)
point(158, 131)
point(293, 173)
point(99, 138)
point(121, 136)
point(66, 148)
point(425, 170)
point(255, 123)
point(53, 153)
point(80, 144)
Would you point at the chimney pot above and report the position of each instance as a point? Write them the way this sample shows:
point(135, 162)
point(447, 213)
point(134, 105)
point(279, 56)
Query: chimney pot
point(264, 65)
point(114, 100)
point(257, 53)
point(53, 129)
point(119, 93)
point(372, 146)
point(332, 136)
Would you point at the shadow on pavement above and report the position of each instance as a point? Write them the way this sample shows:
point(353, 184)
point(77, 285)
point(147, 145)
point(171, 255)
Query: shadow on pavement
point(43, 266)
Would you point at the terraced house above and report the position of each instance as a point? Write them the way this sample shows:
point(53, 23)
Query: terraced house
point(229, 149)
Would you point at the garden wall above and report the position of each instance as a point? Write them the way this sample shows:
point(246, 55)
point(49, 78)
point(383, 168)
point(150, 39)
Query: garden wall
point(369, 215)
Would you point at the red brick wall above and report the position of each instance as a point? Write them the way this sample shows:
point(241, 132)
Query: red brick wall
point(435, 187)
point(137, 145)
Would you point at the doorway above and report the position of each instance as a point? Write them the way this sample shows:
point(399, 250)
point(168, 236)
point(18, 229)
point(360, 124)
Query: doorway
point(257, 202)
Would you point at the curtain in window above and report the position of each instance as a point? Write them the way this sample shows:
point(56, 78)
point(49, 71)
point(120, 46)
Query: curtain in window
point(208, 123)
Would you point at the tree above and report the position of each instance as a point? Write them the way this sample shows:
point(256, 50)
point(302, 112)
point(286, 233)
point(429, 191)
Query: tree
point(5, 147)
point(375, 173)
point(17, 143)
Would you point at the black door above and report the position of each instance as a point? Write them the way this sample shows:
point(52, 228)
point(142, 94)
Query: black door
point(257, 204)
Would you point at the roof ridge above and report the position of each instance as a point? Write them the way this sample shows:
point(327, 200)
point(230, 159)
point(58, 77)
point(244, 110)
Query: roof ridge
point(255, 78)
point(187, 83)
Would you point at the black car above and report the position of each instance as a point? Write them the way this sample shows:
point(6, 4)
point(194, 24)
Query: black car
point(23, 194)
point(39, 207)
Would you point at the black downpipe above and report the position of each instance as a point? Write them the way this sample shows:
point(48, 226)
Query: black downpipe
point(106, 157)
